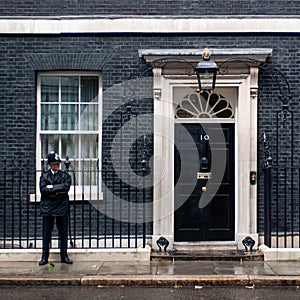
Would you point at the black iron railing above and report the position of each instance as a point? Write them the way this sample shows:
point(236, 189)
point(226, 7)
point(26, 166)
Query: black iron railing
point(282, 207)
point(105, 211)
point(281, 200)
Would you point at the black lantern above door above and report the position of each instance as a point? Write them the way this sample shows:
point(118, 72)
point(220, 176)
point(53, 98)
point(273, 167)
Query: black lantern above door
point(206, 71)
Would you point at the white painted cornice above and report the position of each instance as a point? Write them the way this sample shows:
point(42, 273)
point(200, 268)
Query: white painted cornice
point(149, 24)
point(218, 54)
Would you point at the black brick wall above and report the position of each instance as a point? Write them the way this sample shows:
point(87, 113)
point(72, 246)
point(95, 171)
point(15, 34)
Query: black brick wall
point(116, 56)
point(149, 7)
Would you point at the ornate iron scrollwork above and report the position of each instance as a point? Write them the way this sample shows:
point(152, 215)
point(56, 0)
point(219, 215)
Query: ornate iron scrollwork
point(267, 162)
point(278, 77)
point(248, 242)
point(162, 242)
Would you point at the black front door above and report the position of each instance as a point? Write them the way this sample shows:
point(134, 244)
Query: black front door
point(208, 217)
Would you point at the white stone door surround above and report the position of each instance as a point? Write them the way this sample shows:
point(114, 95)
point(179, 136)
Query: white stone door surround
point(238, 75)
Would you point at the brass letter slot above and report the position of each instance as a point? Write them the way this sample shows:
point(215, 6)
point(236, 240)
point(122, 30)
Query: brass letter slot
point(203, 175)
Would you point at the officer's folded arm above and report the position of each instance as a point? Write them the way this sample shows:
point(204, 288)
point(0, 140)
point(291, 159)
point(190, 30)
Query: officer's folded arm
point(61, 187)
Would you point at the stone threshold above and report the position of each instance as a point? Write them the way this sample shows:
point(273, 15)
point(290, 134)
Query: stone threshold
point(216, 255)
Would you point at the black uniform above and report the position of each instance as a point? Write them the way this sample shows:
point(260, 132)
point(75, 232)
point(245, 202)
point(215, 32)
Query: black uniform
point(54, 206)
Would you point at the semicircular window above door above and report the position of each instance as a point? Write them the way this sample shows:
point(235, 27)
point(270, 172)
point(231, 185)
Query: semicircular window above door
point(205, 106)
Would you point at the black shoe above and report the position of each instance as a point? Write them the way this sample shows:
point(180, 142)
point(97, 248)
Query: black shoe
point(66, 260)
point(43, 261)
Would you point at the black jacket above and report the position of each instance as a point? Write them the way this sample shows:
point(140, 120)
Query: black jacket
point(54, 201)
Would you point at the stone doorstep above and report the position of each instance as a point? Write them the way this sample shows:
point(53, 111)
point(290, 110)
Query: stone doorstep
point(229, 255)
point(205, 246)
point(121, 254)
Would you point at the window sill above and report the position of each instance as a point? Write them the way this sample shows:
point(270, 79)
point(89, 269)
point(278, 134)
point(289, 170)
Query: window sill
point(77, 195)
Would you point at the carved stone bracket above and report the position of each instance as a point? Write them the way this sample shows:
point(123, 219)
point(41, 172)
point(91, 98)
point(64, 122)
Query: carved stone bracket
point(157, 94)
point(254, 83)
point(253, 93)
point(157, 84)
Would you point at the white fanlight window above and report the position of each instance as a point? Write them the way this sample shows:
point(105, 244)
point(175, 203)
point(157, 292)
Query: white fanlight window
point(69, 121)
point(204, 106)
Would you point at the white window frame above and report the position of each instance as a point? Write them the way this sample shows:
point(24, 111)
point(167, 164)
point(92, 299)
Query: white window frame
point(94, 192)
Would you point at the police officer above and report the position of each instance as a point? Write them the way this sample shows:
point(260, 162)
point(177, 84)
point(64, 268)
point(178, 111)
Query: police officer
point(54, 187)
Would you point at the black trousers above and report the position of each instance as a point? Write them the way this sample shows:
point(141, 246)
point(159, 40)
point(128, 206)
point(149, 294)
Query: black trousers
point(62, 227)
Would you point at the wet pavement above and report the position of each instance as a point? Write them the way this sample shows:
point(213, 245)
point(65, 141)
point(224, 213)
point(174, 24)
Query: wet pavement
point(162, 273)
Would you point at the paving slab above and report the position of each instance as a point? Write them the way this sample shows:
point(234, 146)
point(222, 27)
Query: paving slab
point(184, 268)
point(243, 268)
point(78, 268)
point(285, 267)
point(20, 268)
point(125, 268)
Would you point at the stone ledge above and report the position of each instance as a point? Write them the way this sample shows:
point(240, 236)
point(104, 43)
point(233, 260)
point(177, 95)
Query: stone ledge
point(277, 254)
point(121, 254)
